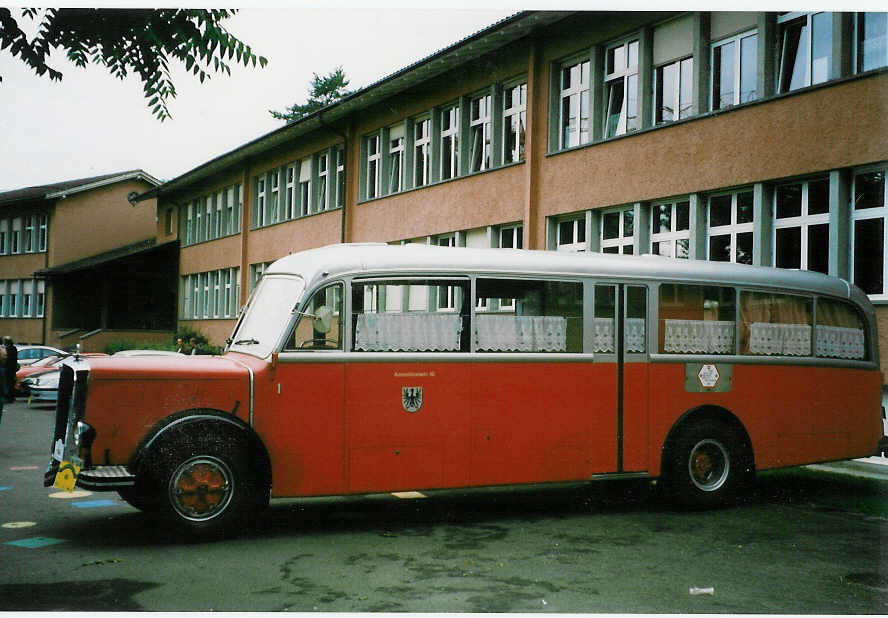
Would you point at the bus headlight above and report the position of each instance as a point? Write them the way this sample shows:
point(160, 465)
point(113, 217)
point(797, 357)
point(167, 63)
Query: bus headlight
point(84, 435)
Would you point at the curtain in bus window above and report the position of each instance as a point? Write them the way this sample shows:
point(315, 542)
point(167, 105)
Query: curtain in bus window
point(696, 319)
point(775, 324)
point(839, 332)
point(410, 316)
point(540, 316)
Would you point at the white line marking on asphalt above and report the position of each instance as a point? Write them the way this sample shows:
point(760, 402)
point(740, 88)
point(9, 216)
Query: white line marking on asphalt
point(20, 468)
point(408, 495)
point(20, 524)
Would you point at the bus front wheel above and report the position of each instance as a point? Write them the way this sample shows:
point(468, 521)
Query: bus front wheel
point(707, 465)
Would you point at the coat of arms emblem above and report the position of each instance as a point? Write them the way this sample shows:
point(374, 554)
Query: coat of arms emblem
point(411, 398)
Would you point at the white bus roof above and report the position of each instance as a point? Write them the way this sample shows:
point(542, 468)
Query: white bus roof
point(381, 259)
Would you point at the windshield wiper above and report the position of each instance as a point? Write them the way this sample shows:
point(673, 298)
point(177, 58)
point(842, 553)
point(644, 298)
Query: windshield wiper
point(246, 342)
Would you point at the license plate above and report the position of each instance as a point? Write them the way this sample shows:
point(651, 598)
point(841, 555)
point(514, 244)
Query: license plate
point(66, 477)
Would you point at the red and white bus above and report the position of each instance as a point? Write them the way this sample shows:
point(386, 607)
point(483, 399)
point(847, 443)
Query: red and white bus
point(376, 368)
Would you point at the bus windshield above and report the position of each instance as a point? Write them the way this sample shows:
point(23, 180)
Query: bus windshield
point(266, 314)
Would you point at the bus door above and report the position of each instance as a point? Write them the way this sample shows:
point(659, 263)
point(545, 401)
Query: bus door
point(620, 348)
point(304, 424)
point(406, 385)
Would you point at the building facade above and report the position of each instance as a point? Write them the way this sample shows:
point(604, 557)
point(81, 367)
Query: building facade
point(750, 137)
point(79, 263)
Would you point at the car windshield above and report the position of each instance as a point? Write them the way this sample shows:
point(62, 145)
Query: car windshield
point(266, 315)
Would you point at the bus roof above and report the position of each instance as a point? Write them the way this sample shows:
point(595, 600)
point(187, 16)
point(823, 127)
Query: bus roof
point(339, 260)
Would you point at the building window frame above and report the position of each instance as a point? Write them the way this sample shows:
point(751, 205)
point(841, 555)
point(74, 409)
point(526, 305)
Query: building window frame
point(671, 228)
point(514, 120)
point(805, 222)
point(574, 83)
point(622, 99)
point(739, 230)
point(879, 43)
point(422, 151)
point(799, 35)
point(373, 166)
point(480, 132)
point(396, 150)
point(680, 91)
point(618, 230)
point(744, 47)
point(570, 233)
point(448, 140)
point(862, 215)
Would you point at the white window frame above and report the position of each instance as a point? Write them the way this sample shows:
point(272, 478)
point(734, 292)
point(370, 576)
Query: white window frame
point(783, 23)
point(340, 177)
point(858, 44)
point(422, 151)
point(625, 74)
point(514, 121)
point(673, 235)
point(373, 165)
point(3, 301)
point(28, 238)
point(323, 179)
point(4, 236)
point(574, 130)
point(27, 297)
point(738, 64)
point(396, 159)
point(578, 233)
point(732, 229)
point(290, 190)
point(260, 201)
point(15, 239)
point(680, 113)
point(42, 232)
point(449, 132)
point(189, 225)
point(480, 133)
point(14, 305)
point(871, 213)
point(621, 241)
point(305, 201)
point(803, 221)
point(218, 228)
point(446, 240)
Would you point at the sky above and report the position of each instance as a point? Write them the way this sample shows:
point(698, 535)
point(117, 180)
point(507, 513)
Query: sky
point(91, 123)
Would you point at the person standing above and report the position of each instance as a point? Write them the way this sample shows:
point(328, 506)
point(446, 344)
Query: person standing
point(11, 367)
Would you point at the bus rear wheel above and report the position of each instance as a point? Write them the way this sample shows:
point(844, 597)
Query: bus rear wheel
point(707, 465)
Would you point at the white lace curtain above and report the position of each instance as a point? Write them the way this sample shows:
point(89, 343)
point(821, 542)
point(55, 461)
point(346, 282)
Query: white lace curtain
point(603, 335)
point(520, 333)
point(839, 342)
point(408, 332)
point(699, 336)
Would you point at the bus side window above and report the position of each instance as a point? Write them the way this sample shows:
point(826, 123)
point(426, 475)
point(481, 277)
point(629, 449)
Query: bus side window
point(635, 331)
point(775, 324)
point(697, 319)
point(319, 326)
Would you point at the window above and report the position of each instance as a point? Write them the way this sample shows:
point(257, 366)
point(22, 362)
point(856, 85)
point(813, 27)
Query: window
point(421, 154)
point(670, 229)
point(869, 231)
point(256, 271)
point(4, 236)
point(515, 119)
point(207, 232)
point(544, 316)
point(27, 297)
point(775, 324)
point(805, 52)
point(450, 142)
point(15, 303)
point(840, 331)
point(617, 231)
point(15, 242)
point(734, 66)
point(322, 201)
point(4, 298)
point(42, 232)
point(572, 234)
point(872, 41)
point(731, 227)
point(801, 225)
point(291, 195)
point(511, 237)
point(621, 89)
point(305, 186)
point(340, 177)
point(41, 298)
point(28, 236)
point(396, 159)
point(260, 202)
point(479, 133)
point(167, 222)
point(394, 316)
point(318, 327)
point(574, 121)
point(696, 319)
point(372, 166)
point(674, 91)
point(212, 294)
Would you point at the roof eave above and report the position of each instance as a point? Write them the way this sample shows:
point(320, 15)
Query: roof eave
point(135, 175)
point(504, 31)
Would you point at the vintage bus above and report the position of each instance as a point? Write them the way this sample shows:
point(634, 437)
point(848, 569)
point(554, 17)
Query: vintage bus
point(356, 369)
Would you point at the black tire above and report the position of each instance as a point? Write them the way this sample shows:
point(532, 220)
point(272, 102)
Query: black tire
point(205, 482)
point(133, 497)
point(707, 464)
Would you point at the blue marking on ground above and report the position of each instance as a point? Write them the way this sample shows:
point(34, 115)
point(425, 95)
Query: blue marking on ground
point(90, 504)
point(35, 542)
point(5, 487)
